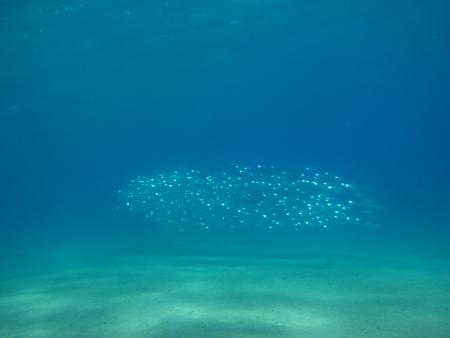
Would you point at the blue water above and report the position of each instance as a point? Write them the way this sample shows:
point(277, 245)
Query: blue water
point(96, 93)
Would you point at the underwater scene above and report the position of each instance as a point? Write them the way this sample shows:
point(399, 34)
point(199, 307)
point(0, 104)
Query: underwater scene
point(224, 169)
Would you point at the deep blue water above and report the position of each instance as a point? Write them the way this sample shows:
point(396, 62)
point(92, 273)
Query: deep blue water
point(95, 93)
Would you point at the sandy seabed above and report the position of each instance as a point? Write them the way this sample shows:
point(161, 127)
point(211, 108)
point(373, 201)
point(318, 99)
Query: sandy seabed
point(341, 296)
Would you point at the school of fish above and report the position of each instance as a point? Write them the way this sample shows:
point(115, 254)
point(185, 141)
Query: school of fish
point(244, 196)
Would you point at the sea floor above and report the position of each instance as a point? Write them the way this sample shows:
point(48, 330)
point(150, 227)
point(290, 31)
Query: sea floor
point(181, 296)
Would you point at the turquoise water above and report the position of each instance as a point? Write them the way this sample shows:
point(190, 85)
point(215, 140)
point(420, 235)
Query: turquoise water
point(253, 168)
